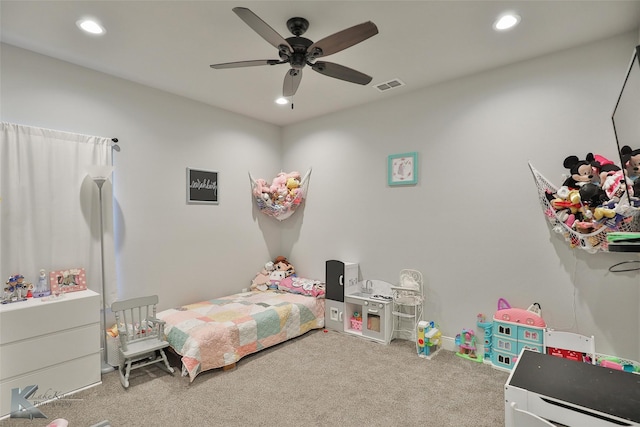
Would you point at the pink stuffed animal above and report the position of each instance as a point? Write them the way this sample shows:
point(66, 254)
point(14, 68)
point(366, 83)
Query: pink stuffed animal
point(260, 187)
point(262, 279)
point(278, 182)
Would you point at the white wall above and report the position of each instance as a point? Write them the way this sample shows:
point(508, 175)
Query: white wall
point(182, 252)
point(473, 224)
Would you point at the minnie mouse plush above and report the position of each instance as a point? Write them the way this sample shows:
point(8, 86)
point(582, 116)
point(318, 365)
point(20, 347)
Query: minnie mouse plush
point(602, 166)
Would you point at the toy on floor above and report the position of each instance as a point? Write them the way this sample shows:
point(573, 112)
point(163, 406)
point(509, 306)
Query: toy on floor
point(466, 342)
point(513, 329)
point(58, 422)
point(612, 362)
point(429, 339)
point(481, 322)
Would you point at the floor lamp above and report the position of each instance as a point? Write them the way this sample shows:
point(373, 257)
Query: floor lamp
point(100, 174)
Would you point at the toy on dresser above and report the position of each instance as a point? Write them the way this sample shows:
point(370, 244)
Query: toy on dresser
point(16, 289)
point(41, 288)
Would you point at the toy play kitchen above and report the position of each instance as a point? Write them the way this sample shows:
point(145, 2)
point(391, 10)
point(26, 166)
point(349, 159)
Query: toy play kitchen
point(361, 308)
point(368, 310)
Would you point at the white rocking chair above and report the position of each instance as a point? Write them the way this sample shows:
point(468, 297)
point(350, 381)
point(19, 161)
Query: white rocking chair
point(141, 335)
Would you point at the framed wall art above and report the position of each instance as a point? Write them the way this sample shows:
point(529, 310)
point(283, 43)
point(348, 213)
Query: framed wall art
point(69, 280)
point(403, 169)
point(202, 186)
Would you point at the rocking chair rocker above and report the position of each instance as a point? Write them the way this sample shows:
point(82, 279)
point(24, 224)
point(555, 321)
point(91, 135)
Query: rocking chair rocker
point(141, 335)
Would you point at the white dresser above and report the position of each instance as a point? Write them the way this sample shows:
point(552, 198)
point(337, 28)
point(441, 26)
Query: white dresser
point(54, 345)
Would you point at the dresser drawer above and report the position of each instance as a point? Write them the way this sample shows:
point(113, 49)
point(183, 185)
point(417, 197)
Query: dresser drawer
point(53, 345)
point(35, 317)
point(54, 381)
point(20, 357)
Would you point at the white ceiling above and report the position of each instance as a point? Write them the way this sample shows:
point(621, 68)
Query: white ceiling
point(169, 45)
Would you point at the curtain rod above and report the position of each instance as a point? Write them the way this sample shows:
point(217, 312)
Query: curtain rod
point(115, 145)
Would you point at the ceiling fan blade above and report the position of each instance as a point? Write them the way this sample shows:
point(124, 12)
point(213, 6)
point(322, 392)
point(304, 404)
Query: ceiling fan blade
point(262, 28)
point(341, 72)
point(342, 39)
point(291, 82)
point(241, 64)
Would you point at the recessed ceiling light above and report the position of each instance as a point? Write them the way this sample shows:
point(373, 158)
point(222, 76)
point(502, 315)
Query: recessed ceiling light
point(282, 101)
point(90, 26)
point(506, 21)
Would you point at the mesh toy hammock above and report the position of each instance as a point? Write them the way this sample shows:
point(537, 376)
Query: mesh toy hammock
point(592, 242)
point(279, 206)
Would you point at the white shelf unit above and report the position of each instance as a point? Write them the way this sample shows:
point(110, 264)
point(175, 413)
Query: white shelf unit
point(51, 344)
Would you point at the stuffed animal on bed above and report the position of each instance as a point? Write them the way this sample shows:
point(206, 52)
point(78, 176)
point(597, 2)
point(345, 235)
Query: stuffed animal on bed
point(281, 264)
point(272, 273)
point(262, 279)
point(282, 268)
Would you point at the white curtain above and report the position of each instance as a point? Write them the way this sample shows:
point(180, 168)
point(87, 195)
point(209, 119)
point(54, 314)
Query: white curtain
point(49, 206)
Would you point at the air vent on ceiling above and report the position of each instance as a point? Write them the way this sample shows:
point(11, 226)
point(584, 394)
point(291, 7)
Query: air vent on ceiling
point(391, 84)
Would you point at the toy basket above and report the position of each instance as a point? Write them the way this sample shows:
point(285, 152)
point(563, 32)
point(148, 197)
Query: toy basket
point(592, 242)
point(277, 207)
point(356, 324)
point(113, 350)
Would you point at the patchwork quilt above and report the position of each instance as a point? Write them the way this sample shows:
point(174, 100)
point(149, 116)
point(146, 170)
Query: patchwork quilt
point(219, 332)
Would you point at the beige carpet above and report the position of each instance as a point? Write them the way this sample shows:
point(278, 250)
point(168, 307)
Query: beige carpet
point(319, 379)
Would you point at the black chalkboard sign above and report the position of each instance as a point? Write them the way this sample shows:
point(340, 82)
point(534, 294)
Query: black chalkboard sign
point(202, 186)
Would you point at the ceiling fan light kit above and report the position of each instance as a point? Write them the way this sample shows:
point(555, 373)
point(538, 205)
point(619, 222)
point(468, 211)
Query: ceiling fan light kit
point(299, 51)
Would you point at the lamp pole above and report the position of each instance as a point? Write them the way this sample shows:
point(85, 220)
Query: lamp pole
point(106, 368)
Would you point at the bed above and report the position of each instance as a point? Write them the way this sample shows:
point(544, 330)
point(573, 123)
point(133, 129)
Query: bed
point(219, 332)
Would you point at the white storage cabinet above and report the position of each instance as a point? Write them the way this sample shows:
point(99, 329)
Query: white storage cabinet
point(54, 345)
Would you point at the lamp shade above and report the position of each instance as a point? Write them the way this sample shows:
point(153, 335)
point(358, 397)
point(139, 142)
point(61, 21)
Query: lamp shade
point(99, 172)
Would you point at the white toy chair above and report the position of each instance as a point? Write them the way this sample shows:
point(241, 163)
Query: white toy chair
point(141, 335)
point(570, 341)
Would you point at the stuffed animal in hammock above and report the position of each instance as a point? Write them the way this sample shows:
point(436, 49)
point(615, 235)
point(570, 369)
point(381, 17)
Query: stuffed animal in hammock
point(581, 172)
point(631, 163)
point(602, 167)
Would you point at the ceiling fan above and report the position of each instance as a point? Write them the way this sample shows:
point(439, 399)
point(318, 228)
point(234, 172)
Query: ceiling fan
point(298, 51)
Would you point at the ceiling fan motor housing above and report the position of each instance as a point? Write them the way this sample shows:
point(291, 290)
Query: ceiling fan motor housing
point(299, 56)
